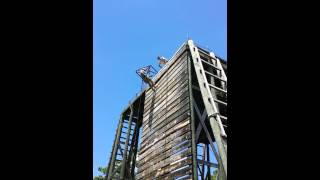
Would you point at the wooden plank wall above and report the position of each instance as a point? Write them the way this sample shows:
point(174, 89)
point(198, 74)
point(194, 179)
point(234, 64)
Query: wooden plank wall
point(165, 151)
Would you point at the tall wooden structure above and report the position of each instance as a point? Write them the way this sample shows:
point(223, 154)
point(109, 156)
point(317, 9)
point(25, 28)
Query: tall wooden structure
point(179, 129)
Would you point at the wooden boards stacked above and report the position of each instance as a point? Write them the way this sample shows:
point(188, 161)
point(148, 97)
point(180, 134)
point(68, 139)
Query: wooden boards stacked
point(165, 151)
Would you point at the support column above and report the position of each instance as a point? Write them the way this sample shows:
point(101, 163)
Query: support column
point(124, 160)
point(115, 149)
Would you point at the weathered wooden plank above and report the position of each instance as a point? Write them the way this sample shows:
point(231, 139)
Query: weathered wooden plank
point(174, 69)
point(184, 177)
point(166, 135)
point(164, 128)
point(170, 122)
point(154, 152)
point(178, 172)
point(171, 159)
point(173, 93)
point(155, 95)
point(183, 111)
point(170, 93)
point(174, 96)
point(165, 163)
point(180, 96)
point(165, 95)
point(167, 78)
point(166, 111)
point(165, 158)
point(174, 173)
point(168, 150)
point(163, 172)
point(164, 87)
point(174, 107)
point(162, 114)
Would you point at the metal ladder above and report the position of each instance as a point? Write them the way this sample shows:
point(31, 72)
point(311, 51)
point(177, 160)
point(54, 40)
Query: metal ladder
point(121, 150)
point(210, 94)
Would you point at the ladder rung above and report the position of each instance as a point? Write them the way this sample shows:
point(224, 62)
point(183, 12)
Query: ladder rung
point(127, 128)
point(215, 87)
point(215, 76)
point(126, 133)
point(125, 143)
point(212, 65)
point(124, 137)
point(223, 117)
point(221, 102)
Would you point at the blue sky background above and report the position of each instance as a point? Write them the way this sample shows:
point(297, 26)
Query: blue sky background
point(128, 34)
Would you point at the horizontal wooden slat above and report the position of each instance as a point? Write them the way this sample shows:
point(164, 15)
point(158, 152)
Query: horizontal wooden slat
point(171, 159)
point(166, 136)
point(164, 95)
point(162, 160)
point(165, 172)
point(169, 122)
point(166, 111)
point(170, 73)
point(164, 126)
point(162, 132)
point(180, 69)
point(158, 103)
point(172, 81)
point(172, 140)
point(165, 120)
point(181, 172)
point(171, 102)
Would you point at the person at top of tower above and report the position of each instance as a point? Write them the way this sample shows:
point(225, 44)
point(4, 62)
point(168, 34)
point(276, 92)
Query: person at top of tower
point(162, 61)
point(145, 78)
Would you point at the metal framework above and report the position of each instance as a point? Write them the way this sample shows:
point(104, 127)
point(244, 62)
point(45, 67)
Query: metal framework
point(122, 163)
point(210, 84)
point(182, 124)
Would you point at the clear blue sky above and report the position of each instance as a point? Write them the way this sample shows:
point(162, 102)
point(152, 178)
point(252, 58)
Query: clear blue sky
point(128, 34)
